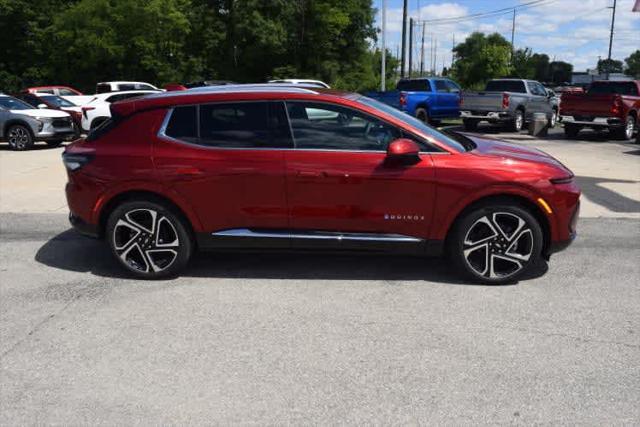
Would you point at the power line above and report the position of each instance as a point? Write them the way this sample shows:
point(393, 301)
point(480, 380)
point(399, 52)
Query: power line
point(493, 13)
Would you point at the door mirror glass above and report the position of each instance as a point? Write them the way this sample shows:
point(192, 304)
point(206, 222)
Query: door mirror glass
point(404, 151)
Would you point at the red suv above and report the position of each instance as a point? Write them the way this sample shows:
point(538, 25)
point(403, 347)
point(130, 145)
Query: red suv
point(260, 166)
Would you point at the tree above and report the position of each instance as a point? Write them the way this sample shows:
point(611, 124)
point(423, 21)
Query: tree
point(633, 64)
point(560, 72)
point(481, 58)
point(521, 64)
point(606, 66)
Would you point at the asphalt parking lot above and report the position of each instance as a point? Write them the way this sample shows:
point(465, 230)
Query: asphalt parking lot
point(320, 339)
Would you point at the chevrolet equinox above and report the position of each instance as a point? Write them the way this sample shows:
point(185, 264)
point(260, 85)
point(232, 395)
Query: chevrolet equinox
point(271, 166)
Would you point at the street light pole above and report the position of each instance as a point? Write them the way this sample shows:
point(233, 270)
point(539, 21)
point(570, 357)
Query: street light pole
point(404, 38)
point(383, 72)
point(613, 20)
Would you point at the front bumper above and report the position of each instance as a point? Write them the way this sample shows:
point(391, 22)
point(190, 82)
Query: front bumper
point(55, 130)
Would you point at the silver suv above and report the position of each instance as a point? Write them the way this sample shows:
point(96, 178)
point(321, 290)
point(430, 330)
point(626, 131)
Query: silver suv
point(21, 124)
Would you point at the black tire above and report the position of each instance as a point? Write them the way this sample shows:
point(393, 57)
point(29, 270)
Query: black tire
point(470, 125)
point(138, 239)
point(571, 131)
point(515, 251)
point(19, 137)
point(625, 132)
point(54, 143)
point(553, 120)
point(423, 115)
point(517, 123)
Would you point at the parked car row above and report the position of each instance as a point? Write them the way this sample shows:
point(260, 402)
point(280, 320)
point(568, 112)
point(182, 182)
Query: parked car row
point(57, 113)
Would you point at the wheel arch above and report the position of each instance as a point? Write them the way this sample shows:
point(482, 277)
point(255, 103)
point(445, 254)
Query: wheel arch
point(519, 200)
point(13, 122)
point(112, 203)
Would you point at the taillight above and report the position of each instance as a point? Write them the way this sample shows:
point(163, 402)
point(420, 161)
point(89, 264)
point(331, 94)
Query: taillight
point(505, 101)
point(616, 107)
point(403, 99)
point(74, 161)
point(85, 109)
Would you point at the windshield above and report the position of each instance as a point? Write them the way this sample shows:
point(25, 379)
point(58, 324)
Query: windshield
point(10, 103)
point(436, 134)
point(621, 88)
point(57, 101)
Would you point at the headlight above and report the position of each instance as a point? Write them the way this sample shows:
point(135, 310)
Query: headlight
point(43, 119)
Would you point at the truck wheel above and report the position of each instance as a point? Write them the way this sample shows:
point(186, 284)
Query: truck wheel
point(470, 124)
point(571, 131)
point(625, 133)
point(517, 123)
point(422, 115)
point(553, 120)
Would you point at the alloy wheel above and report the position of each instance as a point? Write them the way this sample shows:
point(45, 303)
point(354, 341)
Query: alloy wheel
point(519, 121)
point(630, 126)
point(554, 119)
point(18, 138)
point(146, 241)
point(498, 245)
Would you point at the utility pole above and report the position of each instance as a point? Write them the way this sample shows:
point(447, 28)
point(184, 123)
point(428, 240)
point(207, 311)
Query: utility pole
point(422, 52)
point(410, 46)
point(435, 57)
point(613, 20)
point(383, 71)
point(404, 38)
point(513, 34)
point(453, 46)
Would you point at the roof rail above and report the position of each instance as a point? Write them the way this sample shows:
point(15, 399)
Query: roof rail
point(252, 87)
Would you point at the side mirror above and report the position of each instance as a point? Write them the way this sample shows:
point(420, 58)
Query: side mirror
point(403, 151)
point(42, 106)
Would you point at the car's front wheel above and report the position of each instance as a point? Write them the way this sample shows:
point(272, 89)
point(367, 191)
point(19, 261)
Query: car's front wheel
point(19, 138)
point(149, 239)
point(496, 243)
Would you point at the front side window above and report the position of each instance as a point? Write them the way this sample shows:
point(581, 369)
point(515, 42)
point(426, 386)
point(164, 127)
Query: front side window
point(332, 127)
point(453, 88)
point(57, 101)
point(441, 86)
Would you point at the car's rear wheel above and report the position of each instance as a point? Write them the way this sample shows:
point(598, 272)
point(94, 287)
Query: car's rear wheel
point(496, 243)
point(517, 123)
point(149, 239)
point(470, 124)
point(625, 133)
point(19, 138)
point(423, 115)
point(571, 131)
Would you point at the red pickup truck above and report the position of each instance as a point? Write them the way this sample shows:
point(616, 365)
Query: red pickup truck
point(613, 105)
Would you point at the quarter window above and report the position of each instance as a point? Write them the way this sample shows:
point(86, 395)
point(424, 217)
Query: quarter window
point(331, 127)
point(183, 124)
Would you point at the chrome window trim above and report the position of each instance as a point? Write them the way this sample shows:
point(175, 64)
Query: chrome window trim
point(161, 134)
point(364, 237)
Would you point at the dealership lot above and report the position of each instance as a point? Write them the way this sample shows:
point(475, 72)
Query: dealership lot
point(319, 338)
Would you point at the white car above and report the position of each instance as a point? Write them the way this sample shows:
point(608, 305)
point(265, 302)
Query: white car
point(104, 87)
point(303, 82)
point(98, 109)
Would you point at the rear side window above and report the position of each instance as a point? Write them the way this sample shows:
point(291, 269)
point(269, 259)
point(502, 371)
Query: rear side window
point(621, 88)
point(66, 92)
point(232, 125)
point(183, 124)
point(414, 86)
point(516, 86)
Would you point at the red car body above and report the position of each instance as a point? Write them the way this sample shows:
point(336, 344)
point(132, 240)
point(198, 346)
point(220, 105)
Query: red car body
point(298, 190)
point(612, 105)
point(55, 90)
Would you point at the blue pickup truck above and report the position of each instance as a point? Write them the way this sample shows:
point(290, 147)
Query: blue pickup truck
point(430, 99)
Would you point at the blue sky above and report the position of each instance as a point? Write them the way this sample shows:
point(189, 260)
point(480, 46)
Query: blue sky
point(576, 31)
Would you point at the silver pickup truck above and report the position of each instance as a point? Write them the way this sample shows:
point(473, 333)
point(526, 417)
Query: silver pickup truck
point(508, 101)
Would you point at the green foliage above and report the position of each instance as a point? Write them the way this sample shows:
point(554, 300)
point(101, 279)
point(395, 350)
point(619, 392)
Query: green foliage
point(480, 58)
point(609, 66)
point(633, 64)
point(81, 42)
point(560, 72)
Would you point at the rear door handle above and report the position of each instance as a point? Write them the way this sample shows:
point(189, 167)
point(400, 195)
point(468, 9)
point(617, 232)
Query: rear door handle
point(311, 174)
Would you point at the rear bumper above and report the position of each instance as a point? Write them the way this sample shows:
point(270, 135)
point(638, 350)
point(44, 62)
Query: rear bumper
point(597, 122)
point(84, 227)
point(491, 116)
